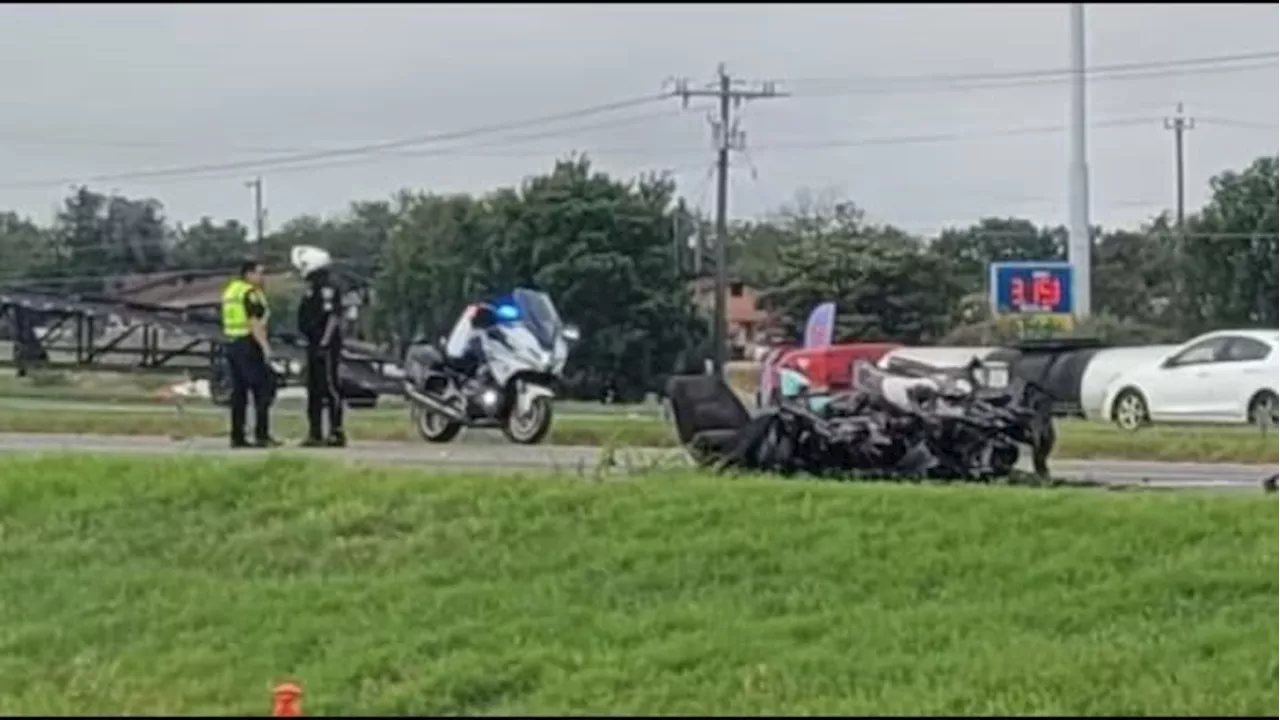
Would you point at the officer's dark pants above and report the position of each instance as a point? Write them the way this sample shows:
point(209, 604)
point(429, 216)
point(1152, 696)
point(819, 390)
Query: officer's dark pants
point(322, 391)
point(250, 375)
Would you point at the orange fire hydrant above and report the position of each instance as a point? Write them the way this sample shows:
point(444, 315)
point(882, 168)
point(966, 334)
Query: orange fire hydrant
point(288, 701)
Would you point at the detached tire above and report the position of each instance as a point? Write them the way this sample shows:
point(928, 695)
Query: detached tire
point(433, 427)
point(531, 428)
point(1129, 411)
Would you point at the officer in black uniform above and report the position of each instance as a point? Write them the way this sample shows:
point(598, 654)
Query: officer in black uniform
point(244, 325)
point(320, 322)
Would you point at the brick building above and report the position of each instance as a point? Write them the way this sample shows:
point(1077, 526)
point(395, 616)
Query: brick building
point(748, 324)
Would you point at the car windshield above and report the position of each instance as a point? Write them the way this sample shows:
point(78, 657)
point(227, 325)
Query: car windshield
point(538, 313)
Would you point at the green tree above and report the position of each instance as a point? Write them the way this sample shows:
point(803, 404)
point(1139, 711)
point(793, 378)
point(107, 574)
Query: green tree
point(602, 248)
point(1133, 273)
point(424, 279)
point(969, 252)
point(356, 238)
point(104, 236)
point(885, 283)
point(26, 248)
point(754, 250)
point(1230, 256)
point(208, 245)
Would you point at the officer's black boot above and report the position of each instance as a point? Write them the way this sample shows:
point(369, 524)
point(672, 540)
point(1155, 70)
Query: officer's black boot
point(337, 438)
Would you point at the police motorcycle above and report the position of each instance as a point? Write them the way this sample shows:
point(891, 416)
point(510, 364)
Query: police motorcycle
point(524, 345)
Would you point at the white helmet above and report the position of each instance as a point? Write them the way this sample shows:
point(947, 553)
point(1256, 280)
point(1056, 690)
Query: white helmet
point(307, 259)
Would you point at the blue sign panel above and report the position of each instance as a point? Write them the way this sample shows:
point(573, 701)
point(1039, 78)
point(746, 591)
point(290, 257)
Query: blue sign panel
point(1019, 288)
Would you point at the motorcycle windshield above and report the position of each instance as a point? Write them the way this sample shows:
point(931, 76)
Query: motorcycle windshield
point(539, 315)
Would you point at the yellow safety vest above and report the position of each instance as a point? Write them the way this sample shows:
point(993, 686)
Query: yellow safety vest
point(235, 321)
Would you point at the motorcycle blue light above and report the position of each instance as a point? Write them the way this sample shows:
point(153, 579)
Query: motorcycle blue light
point(508, 312)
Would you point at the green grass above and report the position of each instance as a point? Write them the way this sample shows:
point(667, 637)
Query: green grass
point(86, 386)
point(143, 389)
point(186, 586)
point(383, 425)
point(1076, 439)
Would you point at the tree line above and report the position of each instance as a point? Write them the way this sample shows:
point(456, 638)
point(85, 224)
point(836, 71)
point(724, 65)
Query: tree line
point(618, 256)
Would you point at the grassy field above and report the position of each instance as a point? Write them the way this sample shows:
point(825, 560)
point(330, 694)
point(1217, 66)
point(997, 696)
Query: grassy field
point(88, 386)
point(184, 586)
point(1077, 439)
point(140, 389)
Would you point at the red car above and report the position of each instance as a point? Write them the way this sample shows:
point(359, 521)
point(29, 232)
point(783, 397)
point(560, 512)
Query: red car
point(828, 369)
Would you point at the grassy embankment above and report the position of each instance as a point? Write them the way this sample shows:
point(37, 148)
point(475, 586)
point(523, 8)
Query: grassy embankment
point(187, 586)
point(140, 413)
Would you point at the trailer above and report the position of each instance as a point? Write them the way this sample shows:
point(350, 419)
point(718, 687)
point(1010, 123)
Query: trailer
point(66, 331)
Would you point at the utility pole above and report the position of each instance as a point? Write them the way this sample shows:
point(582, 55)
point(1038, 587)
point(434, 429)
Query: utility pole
point(678, 245)
point(731, 94)
point(1080, 245)
point(699, 247)
point(259, 216)
point(1179, 124)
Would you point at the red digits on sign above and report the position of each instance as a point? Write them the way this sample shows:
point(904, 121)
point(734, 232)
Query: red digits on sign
point(1017, 296)
point(1047, 291)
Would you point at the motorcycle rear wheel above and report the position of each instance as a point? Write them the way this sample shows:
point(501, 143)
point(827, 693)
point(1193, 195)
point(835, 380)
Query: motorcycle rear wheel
point(434, 427)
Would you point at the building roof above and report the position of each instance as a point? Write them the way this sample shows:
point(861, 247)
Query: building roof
point(177, 289)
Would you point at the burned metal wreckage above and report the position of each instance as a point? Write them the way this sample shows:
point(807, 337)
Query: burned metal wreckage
point(906, 421)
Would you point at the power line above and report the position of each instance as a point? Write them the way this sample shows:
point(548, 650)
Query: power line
point(242, 165)
point(1032, 82)
point(293, 156)
point(287, 150)
point(1056, 75)
point(731, 93)
point(1056, 72)
point(1239, 123)
point(944, 136)
point(796, 145)
point(291, 162)
point(282, 166)
point(967, 82)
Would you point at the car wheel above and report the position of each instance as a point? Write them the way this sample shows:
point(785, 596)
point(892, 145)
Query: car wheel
point(1263, 408)
point(1129, 411)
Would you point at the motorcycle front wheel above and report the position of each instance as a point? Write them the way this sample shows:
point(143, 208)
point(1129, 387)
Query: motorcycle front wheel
point(531, 427)
point(434, 427)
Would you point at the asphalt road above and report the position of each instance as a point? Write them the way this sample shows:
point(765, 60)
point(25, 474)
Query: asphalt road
point(579, 410)
point(579, 460)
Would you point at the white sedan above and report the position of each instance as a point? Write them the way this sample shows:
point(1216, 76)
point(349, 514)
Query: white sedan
point(1226, 376)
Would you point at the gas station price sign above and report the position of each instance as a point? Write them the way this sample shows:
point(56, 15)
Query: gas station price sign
point(1020, 288)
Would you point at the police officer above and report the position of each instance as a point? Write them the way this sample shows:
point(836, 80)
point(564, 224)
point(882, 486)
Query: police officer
point(320, 323)
point(244, 323)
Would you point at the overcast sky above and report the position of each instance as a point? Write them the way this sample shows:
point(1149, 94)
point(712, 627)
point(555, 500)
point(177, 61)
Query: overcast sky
point(102, 90)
